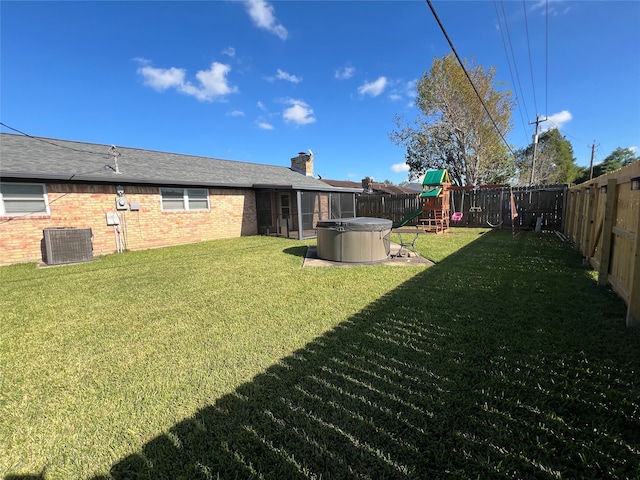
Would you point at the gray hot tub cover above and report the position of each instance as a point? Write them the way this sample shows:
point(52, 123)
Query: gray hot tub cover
point(357, 224)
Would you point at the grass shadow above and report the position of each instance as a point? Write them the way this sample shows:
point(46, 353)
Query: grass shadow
point(505, 360)
point(297, 251)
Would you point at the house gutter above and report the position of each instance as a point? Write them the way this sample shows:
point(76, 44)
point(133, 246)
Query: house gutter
point(122, 179)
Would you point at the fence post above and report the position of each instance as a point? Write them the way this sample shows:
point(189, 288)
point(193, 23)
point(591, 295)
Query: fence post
point(576, 215)
point(565, 207)
point(580, 218)
point(633, 307)
point(588, 222)
point(607, 230)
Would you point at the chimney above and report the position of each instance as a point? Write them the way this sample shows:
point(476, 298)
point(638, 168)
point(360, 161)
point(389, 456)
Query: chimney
point(303, 163)
point(367, 184)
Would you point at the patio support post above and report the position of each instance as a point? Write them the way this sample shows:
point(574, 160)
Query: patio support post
point(299, 206)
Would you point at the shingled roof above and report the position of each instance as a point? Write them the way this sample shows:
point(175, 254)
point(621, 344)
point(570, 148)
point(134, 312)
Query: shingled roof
point(376, 187)
point(45, 159)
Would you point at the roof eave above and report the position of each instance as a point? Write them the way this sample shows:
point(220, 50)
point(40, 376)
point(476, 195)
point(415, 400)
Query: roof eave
point(308, 188)
point(116, 178)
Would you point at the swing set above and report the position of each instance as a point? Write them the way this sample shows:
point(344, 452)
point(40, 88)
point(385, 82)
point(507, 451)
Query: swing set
point(457, 215)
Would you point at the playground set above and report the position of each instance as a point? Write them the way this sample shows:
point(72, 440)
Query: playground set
point(433, 214)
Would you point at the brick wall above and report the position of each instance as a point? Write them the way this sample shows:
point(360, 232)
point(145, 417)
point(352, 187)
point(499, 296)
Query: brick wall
point(232, 214)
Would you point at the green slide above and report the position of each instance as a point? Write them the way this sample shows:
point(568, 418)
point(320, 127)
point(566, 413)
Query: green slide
point(406, 219)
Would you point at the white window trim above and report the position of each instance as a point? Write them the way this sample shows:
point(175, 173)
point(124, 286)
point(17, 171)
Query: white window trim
point(185, 200)
point(45, 197)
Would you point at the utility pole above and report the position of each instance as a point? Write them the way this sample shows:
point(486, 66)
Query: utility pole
point(593, 154)
point(535, 145)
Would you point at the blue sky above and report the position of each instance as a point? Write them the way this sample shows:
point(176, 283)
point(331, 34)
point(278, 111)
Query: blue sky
point(260, 81)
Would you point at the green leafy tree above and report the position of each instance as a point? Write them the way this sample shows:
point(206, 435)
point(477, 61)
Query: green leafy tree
point(554, 163)
point(619, 158)
point(453, 131)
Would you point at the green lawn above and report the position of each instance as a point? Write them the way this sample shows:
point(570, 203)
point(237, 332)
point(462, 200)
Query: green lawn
point(226, 359)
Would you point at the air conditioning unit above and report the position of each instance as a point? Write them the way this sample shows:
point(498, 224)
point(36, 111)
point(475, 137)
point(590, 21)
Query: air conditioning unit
point(67, 245)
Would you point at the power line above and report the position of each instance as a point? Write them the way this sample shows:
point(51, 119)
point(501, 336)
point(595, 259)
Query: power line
point(564, 133)
point(52, 143)
point(433, 10)
point(513, 57)
point(546, 59)
point(506, 53)
point(526, 25)
point(49, 202)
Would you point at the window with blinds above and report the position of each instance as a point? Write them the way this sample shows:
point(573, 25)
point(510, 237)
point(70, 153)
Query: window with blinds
point(23, 199)
point(184, 199)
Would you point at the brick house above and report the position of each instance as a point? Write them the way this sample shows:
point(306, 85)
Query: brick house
point(137, 199)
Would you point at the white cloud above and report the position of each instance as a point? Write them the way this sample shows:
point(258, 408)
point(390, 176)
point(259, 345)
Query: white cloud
point(261, 106)
point(281, 75)
point(373, 88)
point(299, 113)
point(633, 149)
point(162, 78)
point(403, 89)
point(236, 113)
point(545, 6)
point(345, 73)
point(265, 126)
point(411, 88)
point(557, 120)
point(262, 14)
point(400, 167)
point(212, 83)
point(229, 51)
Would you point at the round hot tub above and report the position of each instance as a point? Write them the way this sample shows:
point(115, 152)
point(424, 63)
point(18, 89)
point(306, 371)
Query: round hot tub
point(359, 239)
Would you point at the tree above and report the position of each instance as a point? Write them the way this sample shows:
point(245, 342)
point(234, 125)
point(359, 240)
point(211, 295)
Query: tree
point(619, 158)
point(453, 131)
point(554, 163)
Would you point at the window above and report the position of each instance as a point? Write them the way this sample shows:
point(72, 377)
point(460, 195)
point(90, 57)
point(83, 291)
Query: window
point(174, 199)
point(23, 199)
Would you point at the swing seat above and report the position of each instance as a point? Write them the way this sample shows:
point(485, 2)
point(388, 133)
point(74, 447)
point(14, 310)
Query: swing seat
point(456, 217)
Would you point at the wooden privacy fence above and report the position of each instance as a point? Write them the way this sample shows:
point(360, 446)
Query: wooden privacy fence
point(492, 206)
point(603, 219)
point(480, 207)
point(392, 207)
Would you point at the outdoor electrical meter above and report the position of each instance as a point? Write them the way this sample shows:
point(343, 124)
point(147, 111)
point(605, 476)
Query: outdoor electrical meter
point(121, 203)
point(113, 218)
